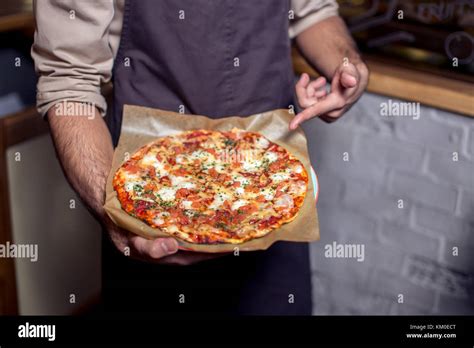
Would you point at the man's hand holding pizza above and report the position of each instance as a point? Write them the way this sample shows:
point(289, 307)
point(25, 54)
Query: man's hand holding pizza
point(159, 250)
point(85, 150)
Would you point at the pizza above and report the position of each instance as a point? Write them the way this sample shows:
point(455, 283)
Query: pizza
point(210, 187)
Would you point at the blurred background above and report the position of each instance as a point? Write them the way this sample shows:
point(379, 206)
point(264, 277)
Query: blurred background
point(400, 186)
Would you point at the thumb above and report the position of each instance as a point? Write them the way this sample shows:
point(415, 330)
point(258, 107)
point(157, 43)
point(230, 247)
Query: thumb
point(155, 248)
point(348, 80)
point(348, 75)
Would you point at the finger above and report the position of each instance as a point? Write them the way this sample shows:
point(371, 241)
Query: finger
point(315, 86)
point(335, 113)
point(155, 248)
point(301, 92)
point(320, 93)
point(349, 76)
point(348, 80)
point(307, 102)
point(338, 89)
point(331, 102)
point(301, 85)
point(303, 81)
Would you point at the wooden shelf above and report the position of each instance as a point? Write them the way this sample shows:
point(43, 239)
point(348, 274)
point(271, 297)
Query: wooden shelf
point(17, 21)
point(410, 84)
point(22, 126)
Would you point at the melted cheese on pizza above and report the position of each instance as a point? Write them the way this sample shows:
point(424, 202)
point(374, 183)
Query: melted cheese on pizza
point(212, 187)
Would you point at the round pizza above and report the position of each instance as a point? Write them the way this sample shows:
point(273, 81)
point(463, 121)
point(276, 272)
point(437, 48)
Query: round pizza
point(211, 187)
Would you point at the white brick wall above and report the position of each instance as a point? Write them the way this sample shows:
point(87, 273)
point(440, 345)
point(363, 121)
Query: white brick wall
point(408, 250)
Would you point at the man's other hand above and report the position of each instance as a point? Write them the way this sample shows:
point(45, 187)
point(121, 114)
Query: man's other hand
point(348, 84)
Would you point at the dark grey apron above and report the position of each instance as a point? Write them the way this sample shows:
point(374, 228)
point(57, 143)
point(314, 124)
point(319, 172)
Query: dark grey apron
point(216, 58)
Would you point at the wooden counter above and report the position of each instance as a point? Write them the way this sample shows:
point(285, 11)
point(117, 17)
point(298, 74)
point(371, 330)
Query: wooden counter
point(409, 84)
point(16, 15)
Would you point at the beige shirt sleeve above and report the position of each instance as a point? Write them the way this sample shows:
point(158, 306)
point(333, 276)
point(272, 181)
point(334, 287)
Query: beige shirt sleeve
point(72, 50)
point(76, 43)
point(309, 12)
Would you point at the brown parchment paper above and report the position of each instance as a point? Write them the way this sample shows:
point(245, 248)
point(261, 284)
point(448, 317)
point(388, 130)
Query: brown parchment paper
point(141, 126)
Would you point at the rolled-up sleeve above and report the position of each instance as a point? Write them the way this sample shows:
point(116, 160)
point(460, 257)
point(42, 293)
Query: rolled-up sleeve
point(308, 12)
point(71, 50)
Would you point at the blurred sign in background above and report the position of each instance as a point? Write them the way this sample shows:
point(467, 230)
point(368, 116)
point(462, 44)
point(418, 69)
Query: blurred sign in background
point(425, 34)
